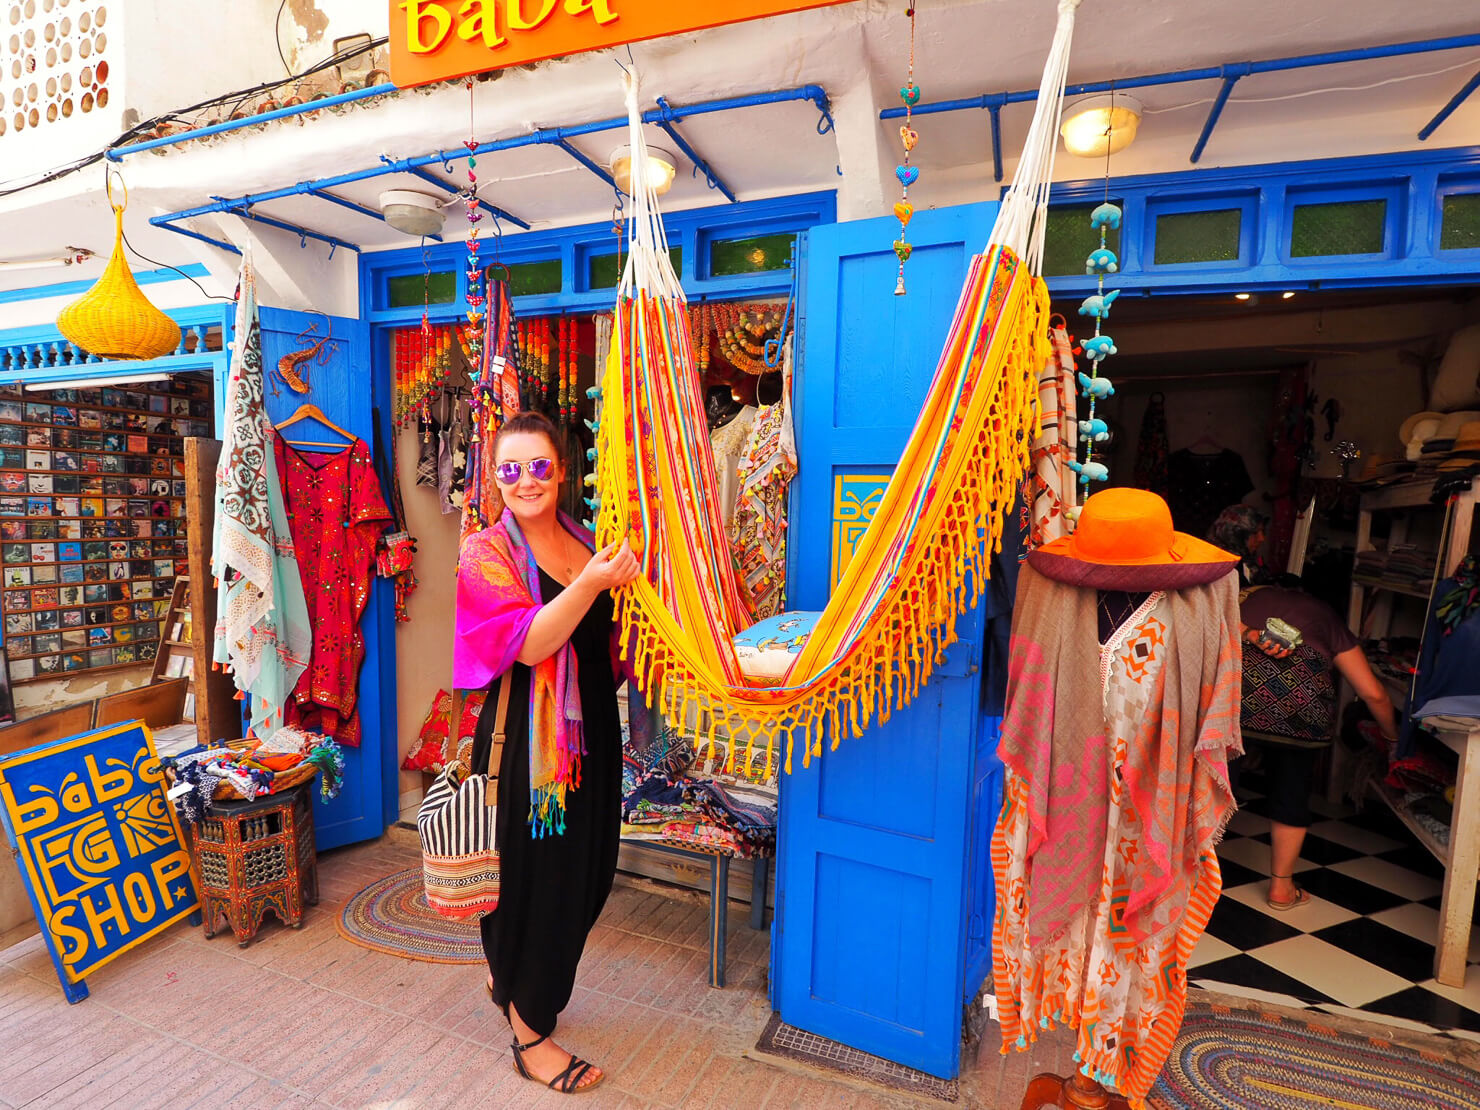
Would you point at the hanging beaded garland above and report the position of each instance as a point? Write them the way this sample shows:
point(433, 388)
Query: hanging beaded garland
point(562, 397)
point(475, 295)
point(1094, 386)
point(906, 173)
point(425, 362)
point(743, 331)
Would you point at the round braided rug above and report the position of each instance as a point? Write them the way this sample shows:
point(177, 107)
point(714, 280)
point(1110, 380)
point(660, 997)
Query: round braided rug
point(1227, 1057)
point(391, 915)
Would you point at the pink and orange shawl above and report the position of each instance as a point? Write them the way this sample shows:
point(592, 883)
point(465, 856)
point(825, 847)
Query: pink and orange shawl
point(498, 590)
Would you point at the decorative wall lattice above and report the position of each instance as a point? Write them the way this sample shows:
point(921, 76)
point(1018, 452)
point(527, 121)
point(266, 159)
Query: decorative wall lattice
point(53, 63)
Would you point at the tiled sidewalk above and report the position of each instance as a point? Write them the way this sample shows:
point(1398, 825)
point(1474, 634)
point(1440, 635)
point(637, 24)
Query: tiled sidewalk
point(304, 1018)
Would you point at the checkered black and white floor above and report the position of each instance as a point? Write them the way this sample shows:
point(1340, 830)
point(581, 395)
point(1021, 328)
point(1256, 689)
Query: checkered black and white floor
point(1363, 946)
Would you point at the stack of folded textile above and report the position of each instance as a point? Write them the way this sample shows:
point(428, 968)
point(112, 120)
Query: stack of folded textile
point(663, 806)
point(1370, 563)
point(1408, 565)
point(251, 768)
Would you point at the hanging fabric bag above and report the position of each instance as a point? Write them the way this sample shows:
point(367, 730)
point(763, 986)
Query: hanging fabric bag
point(459, 860)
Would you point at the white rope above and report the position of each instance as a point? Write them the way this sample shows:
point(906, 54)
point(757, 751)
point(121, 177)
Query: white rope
point(1021, 221)
point(648, 267)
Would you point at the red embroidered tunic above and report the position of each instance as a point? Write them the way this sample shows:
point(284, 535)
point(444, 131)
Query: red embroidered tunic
point(336, 513)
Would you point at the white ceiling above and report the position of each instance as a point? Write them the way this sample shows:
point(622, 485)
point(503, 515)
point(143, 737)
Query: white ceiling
point(858, 53)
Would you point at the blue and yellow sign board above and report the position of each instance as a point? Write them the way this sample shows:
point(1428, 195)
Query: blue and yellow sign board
point(856, 498)
point(98, 844)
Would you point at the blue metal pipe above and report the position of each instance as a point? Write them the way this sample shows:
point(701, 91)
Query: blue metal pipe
point(587, 162)
point(452, 190)
point(710, 176)
point(118, 153)
point(1219, 102)
point(243, 209)
point(996, 113)
point(1454, 102)
point(551, 135)
point(1206, 73)
point(185, 231)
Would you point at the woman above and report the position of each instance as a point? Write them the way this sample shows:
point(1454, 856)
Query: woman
point(1240, 529)
point(1292, 644)
point(533, 601)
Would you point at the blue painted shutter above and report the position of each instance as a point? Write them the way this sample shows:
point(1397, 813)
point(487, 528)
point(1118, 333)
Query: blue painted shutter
point(870, 938)
point(341, 388)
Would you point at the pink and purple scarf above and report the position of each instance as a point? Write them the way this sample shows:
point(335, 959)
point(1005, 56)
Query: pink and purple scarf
point(498, 591)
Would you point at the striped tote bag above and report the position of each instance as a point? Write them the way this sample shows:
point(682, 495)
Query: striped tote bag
point(459, 861)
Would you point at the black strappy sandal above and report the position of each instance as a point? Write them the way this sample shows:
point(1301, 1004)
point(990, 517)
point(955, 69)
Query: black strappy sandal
point(568, 1081)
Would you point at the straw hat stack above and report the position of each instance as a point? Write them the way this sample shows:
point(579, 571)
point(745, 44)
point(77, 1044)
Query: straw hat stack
point(1464, 451)
point(1432, 441)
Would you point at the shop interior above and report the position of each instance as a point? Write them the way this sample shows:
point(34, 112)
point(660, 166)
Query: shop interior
point(738, 353)
point(1292, 402)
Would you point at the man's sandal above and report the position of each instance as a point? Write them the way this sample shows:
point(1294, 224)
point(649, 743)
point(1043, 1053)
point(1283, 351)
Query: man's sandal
point(568, 1081)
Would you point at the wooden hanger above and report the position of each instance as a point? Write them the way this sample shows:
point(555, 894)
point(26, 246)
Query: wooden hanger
point(309, 410)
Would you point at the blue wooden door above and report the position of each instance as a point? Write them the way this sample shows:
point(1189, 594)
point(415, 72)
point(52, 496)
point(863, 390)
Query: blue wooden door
point(873, 852)
point(341, 388)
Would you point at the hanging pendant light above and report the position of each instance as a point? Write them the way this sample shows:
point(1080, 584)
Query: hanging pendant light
point(114, 319)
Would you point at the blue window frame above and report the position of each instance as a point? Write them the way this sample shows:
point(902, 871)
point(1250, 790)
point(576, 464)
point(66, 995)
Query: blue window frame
point(1225, 222)
point(691, 232)
point(1345, 216)
point(1412, 191)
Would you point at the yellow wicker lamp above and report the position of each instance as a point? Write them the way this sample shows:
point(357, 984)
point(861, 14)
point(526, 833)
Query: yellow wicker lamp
point(114, 319)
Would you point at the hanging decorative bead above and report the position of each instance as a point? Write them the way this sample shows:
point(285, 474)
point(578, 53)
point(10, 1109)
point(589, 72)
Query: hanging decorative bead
point(906, 173)
point(562, 398)
point(743, 331)
point(1094, 386)
point(424, 362)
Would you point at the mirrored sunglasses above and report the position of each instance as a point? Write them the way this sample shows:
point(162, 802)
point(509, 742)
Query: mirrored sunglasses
point(541, 470)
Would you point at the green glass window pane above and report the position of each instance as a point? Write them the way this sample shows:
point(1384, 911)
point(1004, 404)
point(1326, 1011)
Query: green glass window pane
point(1183, 237)
point(529, 278)
point(602, 271)
point(1069, 239)
point(757, 254)
point(1346, 227)
point(1459, 229)
point(407, 290)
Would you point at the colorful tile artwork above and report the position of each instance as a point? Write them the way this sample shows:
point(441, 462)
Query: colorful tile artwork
point(92, 528)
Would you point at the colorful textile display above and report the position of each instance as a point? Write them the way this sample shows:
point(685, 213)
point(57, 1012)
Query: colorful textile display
point(1051, 487)
point(495, 396)
point(254, 769)
point(758, 528)
point(923, 559)
point(336, 513)
point(1104, 850)
point(435, 747)
point(497, 588)
point(1152, 447)
point(262, 632)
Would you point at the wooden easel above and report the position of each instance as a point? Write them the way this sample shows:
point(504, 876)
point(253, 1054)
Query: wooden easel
point(1077, 1092)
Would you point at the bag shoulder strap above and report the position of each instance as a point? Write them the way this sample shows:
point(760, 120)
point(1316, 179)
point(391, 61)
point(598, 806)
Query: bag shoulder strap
point(500, 719)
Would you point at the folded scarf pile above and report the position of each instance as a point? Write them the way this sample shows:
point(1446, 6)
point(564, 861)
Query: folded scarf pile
point(252, 770)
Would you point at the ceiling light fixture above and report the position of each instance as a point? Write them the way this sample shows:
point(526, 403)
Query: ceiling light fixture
point(94, 383)
point(661, 168)
point(410, 212)
point(1100, 125)
point(1243, 296)
point(1287, 295)
point(72, 257)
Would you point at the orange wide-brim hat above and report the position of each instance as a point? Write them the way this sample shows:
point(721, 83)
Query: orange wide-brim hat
point(1121, 531)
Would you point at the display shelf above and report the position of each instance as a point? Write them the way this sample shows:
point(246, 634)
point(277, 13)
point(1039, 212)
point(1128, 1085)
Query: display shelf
point(1390, 587)
point(1389, 798)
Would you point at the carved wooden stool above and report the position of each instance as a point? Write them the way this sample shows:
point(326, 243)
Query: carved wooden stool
point(1077, 1092)
point(256, 856)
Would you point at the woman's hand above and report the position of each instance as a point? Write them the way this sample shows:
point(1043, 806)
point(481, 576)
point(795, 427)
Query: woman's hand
point(610, 568)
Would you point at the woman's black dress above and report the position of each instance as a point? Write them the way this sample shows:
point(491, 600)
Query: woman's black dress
point(553, 888)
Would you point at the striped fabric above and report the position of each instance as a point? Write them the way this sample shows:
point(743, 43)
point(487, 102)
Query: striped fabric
point(458, 859)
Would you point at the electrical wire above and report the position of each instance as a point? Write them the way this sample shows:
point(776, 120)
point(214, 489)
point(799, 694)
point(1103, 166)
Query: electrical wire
point(239, 97)
point(166, 266)
point(1312, 92)
point(277, 38)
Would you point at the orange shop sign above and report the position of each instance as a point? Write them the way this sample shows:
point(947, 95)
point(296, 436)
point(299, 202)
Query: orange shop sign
point(433, 40)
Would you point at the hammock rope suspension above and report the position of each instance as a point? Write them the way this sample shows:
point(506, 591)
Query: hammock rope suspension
point(923, 559)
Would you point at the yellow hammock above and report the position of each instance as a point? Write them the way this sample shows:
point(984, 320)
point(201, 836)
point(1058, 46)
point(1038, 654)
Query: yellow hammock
point(924, 558)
